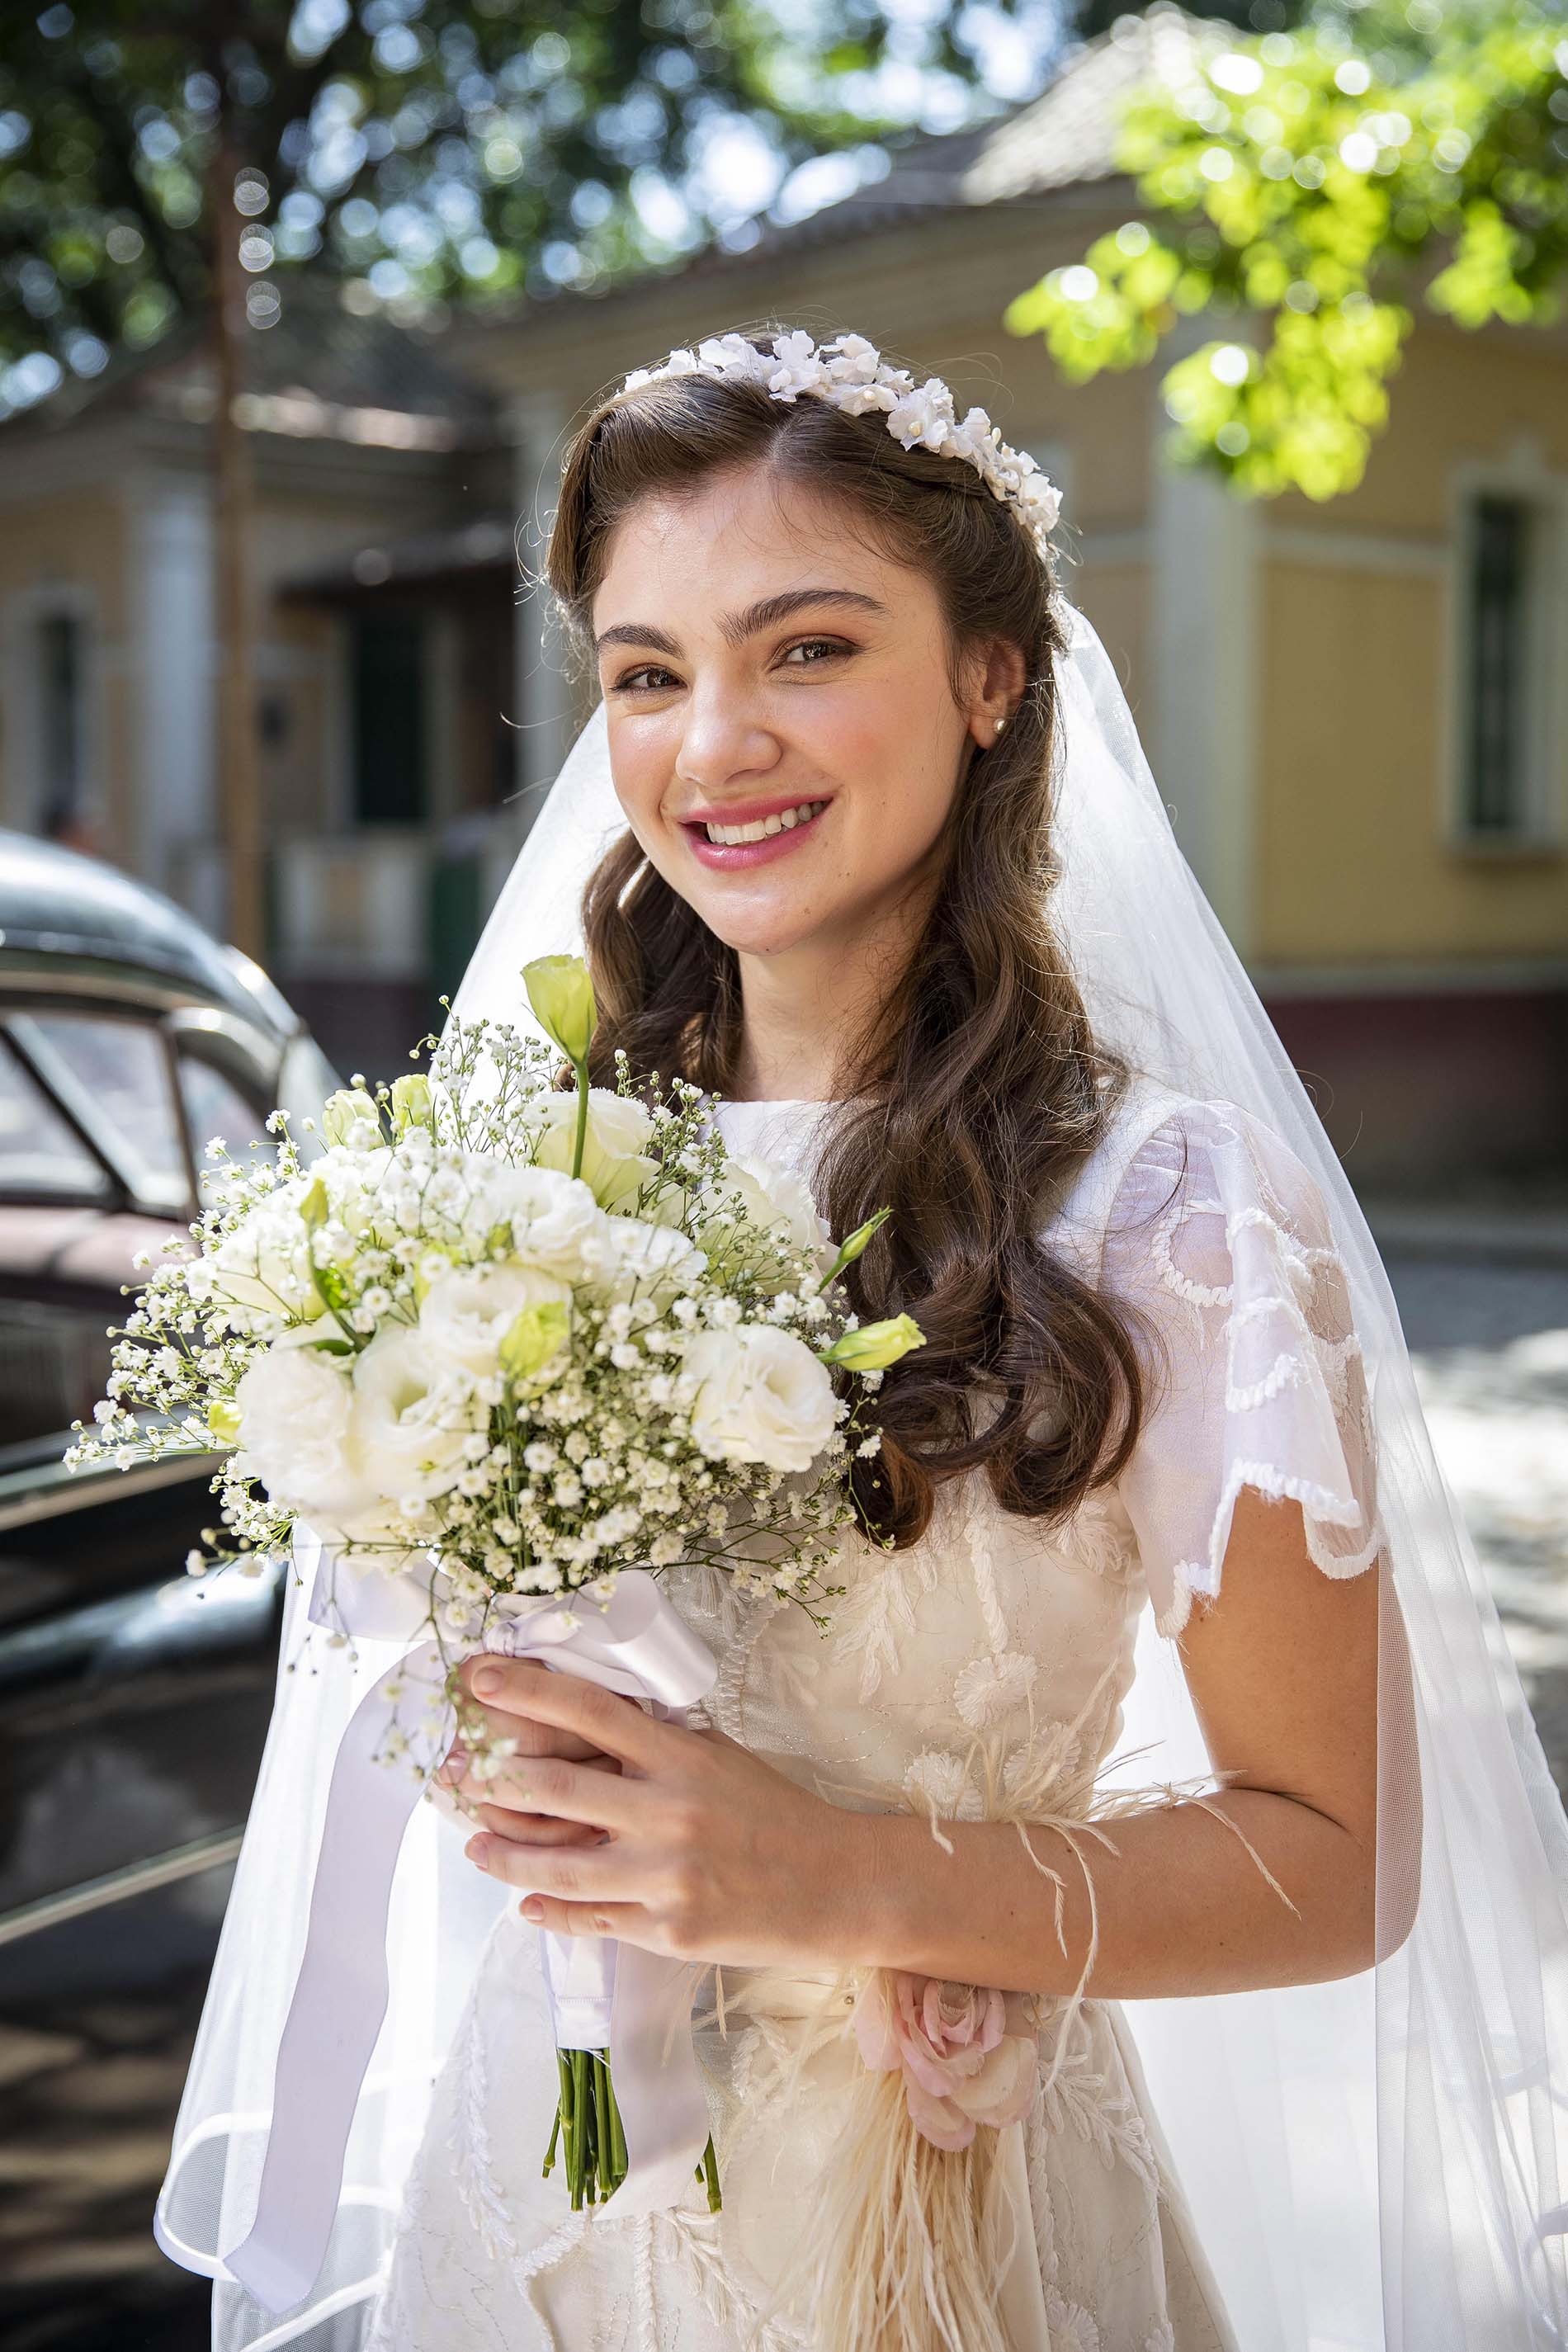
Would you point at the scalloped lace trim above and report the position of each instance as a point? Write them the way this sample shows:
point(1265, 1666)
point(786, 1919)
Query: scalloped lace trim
point(1321, 1506)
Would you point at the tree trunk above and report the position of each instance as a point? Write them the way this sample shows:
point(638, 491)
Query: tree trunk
point(238, 775)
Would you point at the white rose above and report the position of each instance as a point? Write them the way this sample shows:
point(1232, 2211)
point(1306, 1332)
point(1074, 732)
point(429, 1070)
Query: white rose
point(762, 1396)
point(552, 1217)
point(468, 1313)
point(296, 1427)
point(411, 1414)
point(616, 1159)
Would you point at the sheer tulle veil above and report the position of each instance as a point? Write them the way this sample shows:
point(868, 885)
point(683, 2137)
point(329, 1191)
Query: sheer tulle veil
point(1375, 2161)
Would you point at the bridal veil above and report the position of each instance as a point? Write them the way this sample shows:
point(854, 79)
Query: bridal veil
point(1378, 2161)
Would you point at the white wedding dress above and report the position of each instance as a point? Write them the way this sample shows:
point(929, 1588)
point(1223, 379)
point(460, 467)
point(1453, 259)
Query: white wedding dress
point(991, 1633)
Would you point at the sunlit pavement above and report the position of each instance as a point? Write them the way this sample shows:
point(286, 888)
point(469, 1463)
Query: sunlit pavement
point(1491, 1346)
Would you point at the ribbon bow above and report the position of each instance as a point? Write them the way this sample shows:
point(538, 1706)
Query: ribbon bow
point(602, 1992)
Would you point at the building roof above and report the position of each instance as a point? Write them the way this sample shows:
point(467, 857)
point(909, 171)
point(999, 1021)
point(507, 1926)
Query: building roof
point(1065, 138)
point(323, 372)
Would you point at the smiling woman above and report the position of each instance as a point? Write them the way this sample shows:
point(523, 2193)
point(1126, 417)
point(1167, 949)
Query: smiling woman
point(1246, 2036)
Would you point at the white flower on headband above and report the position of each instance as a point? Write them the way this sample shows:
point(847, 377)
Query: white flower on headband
point(850, 373)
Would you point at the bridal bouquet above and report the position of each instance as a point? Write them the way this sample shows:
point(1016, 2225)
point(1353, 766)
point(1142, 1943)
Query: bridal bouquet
point(499, 1342)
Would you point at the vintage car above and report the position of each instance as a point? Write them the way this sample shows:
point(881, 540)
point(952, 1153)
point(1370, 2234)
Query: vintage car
point(133, 1699)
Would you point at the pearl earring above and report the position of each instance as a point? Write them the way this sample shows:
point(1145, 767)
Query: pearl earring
point(1000, 724)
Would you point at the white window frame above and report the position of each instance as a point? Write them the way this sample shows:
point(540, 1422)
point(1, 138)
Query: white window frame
point(1541, 824)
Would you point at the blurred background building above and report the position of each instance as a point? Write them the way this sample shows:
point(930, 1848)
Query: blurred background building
point(1357, 709)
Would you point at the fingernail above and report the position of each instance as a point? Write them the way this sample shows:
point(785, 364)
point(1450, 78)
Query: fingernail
point(487, 1681)
point(477, 1849)
point(531, 1907)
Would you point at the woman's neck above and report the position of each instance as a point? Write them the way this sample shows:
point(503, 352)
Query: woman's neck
point(803, 1011)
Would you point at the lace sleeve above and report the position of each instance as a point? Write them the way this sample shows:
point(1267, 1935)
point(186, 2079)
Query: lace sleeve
point(1221, 1239)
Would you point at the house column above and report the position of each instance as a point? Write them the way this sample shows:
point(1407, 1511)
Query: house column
point(172, 829)
point(542, 700)
point(1207, 642)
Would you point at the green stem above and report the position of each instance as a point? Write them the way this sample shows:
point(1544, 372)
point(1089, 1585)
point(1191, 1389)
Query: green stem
point(585, 2110)
point(582, 1134)
point(711, 2173)
point(605, 2162)
point(617, 2133)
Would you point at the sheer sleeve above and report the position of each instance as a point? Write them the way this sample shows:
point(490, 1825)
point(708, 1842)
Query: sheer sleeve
point(1222, 1240)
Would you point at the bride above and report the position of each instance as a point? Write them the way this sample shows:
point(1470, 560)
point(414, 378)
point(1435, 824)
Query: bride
point(1165, 1769)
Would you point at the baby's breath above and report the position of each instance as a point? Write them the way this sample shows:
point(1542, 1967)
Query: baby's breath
point(492, 1485)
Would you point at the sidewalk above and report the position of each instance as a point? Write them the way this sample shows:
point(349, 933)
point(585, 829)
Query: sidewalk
point(1527, 1225)
point(1483, 1237)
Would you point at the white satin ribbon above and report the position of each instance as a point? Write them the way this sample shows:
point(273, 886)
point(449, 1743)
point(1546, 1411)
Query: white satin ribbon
point(602, 1994)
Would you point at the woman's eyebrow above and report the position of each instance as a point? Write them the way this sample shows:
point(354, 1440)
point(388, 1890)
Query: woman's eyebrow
point(736, 626)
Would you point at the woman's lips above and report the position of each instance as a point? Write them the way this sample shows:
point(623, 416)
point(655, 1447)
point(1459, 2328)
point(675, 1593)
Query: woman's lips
point(727, 856)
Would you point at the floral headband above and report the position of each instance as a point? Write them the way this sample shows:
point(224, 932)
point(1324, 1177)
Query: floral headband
point(850, 372)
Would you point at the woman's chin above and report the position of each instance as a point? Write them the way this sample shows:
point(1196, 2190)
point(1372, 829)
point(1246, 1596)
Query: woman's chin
point(754, 924)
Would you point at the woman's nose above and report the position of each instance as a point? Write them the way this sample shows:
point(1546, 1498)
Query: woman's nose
point(722, 737)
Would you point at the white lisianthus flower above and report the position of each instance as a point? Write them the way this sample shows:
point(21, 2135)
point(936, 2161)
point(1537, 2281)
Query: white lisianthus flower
point(469, 1311)
point(761, 1396)
point(411, 1414)
point(296, 1425)
point(631, 1259)
point(265, 1262)
point(615, 1158)
point(774, 1198)
point(552, 1217)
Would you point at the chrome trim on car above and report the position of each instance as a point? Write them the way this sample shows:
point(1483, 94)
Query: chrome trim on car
point(118, 1886)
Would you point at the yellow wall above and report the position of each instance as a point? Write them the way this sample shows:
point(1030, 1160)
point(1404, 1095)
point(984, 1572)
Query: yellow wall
point(1353, 864)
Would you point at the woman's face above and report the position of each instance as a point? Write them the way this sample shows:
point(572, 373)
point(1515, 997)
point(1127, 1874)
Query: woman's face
point(755, 659)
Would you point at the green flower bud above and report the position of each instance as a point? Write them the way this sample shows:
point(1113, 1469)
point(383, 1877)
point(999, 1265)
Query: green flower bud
point(314, 1208)
point(223, 1420)
point(532, 1339)
point(341, 1110)
point(410, 1101)
point(561, 995)
point(871, 1347)
point(856, 1242)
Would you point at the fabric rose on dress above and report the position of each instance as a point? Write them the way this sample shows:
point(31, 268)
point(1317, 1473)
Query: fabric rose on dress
point(949, 2041)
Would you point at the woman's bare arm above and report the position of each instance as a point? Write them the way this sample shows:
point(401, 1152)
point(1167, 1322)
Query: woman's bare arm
point(1283, 1672)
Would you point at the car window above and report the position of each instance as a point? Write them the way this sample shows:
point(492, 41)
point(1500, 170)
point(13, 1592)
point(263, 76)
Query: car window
point(41, 1153)
point(115, 1075)
point(214, 1107)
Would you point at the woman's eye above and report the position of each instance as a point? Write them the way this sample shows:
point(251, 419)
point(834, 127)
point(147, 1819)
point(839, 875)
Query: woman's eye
point(652, 679)
point(814, 644)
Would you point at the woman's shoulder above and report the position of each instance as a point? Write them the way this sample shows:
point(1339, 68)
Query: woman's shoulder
point(1164, 1147)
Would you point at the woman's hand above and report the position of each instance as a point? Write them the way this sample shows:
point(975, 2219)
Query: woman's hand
point(692, 1846)
point(532, 1739)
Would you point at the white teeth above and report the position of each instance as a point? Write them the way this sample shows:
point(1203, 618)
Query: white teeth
point(765, 827)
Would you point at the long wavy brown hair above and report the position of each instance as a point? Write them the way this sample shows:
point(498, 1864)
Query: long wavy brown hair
point(981, 1089)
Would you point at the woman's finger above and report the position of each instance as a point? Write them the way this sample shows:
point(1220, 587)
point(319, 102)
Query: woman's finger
point(534, 1739)
point(593, 1873)
point(567, 1791)
point(626, 1920)
point(525, 1686)
point(530, 1829)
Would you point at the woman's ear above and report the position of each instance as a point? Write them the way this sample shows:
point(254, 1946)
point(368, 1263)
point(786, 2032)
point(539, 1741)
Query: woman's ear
point(998, 689)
